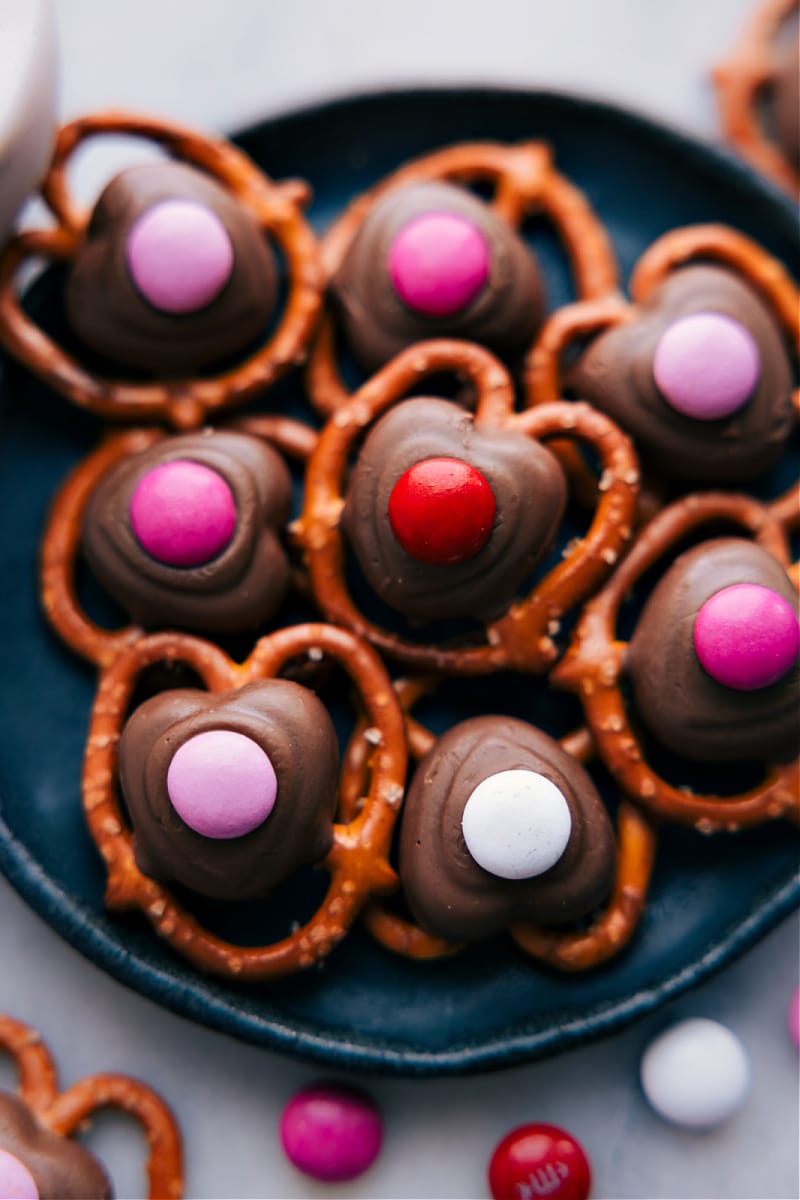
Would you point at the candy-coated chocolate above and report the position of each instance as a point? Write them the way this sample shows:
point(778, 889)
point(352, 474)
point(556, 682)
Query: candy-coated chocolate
point(442, 510)
point(331, 1132)
point(793, 1017)
point(516, 824)
point(438, 262)
point(16, 1181)
point(222, 784)
point(706, 365)
point(183, 513)
point(696, 1074)
point(747, 636)
point(179, 255)
point(539, 1160)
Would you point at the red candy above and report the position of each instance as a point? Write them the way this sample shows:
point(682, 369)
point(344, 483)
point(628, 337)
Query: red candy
point(539, 1160)
point(441, 511)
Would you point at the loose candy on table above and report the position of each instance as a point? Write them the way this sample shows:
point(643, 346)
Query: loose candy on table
point(793, 1017)
point(332, 1132)
point(696, 1074)
point(539, 1160)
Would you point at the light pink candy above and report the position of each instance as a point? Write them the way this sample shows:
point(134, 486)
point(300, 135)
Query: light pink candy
point(183, 513)
point(16, 1181)
point(179, 255)
point(747, 636)
point(222, 784)
point(706, 365)
point(331, 1132)
point(438, 262)
point(793, 1017)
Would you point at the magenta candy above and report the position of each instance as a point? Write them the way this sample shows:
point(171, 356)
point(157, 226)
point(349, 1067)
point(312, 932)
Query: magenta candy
point(222, 784)
point(183, 513)
point(793, 1017)
point(179, 255)
point(438, 263)
point(706, 366)
point(331, 1132)
point(16, 1181)
point(747, 636)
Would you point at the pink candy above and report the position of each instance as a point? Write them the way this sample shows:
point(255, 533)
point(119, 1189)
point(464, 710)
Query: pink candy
point(438, 263)
point(222, 784)
point(183, 513)
point(179, 255)
point(793, 1017)
point(747, 636)
point(331, 1132)
point(706, 366)
point(16, 1181)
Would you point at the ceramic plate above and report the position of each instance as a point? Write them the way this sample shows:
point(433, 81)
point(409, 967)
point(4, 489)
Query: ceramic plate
point(491, 1006)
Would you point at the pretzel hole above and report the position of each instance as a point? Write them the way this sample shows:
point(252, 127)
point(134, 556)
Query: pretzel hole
point(110, 1137)
point(547, 247)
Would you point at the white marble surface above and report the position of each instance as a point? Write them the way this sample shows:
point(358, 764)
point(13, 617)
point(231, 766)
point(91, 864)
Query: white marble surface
point(219, 65)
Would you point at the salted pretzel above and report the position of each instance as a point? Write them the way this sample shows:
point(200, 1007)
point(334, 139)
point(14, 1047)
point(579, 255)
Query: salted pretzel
point(741, 80)
point(595, 665)
point(524, 182)
point(60, 1114)
point(62, 535)
point(181, 403)
point(358, 861)
point(607, 934)
point(522, 638)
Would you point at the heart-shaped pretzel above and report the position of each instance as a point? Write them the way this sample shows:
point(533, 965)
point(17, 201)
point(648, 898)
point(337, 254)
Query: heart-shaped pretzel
point(65, 1113)
point(183, 403)
point(594, 665)
point(358, 861)
point(522, 638)
point(525, 182)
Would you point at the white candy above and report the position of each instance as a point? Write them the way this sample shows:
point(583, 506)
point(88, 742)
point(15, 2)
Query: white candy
point(696, 1074)
point(516, 824)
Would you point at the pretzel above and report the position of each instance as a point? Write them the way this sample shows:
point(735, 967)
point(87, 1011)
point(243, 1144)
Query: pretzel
point(522, 638)
point(182, 403)
point(609, 932)
point(62, 536)
point(66, 1113)
point(525, 182)
point(595, 661)
point(358, 861)
point(740, 81)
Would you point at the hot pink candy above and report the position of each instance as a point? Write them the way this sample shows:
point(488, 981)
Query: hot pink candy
point(16, 1181)
point(222, 784)
point(747, 636)
point(793, 1017)
point(183, 513)
point(179, 255)
point(331, 1132)
point(706, 365)
point(438, 263)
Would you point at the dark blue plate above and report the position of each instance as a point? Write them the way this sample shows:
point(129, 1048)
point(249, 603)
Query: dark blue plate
point(490, 1006)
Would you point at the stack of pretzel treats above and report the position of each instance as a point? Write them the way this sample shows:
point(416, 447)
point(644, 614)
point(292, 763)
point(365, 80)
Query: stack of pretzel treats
point(477, 484)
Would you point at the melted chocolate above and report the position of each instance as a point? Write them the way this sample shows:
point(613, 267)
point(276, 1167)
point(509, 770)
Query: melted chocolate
point(61, 1169)
point(110, 315)
point(294, 730)
point(529, 491)
point(448, 893)
point(615, 373)
point(240, 588)
point(504, 315)
point(681, 705)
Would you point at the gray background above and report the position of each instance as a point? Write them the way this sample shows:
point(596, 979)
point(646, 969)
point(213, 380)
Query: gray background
point(220, 65)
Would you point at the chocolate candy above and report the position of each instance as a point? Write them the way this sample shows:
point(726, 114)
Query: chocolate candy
point(331, 1132)
point(445, 517)
point(500, 824)
point(36, 1164)
point(184, 534)
point(539, 1160)
point(229, 793)
point(174, 275)
point(696, 1074)
point(700, 378)
point(713, 658)
point(432, 260)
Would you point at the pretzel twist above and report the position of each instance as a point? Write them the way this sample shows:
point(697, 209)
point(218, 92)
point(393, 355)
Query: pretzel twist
point(594, 664)
point(184, 403)
point(525, 182)
point(739, 81)
point(66, 1113)
point(522, 638)
point(358, 861)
